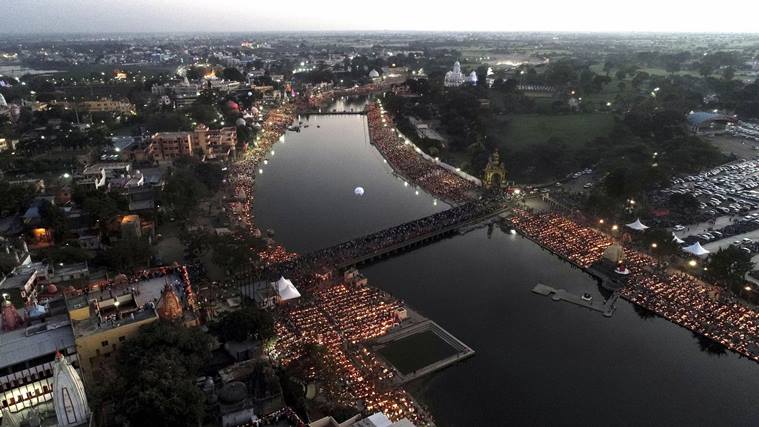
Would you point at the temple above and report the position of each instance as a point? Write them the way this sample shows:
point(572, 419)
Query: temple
point(455, 77)
point(69, 398)
point(495, 172)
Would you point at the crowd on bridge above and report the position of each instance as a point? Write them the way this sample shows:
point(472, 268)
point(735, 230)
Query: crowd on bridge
point(350, 252)
point(405, 160)
point(317, 98)
point(675, 295)
point(338, 317)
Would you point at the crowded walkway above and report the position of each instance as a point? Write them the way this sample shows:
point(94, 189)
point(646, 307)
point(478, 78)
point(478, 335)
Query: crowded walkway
point(674, 295)
point(432, 177)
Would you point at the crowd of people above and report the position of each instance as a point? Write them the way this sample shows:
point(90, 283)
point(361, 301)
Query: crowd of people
point(339, 318)
point(406, 161)
point(242, 176)
point(674, 295)
point(320, 97)
point(580, 245)
point(347, 252)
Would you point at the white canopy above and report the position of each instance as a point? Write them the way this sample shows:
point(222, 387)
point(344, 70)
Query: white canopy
point(677, 240)
point(696, 249)
point(637, 225)
point(286, 289)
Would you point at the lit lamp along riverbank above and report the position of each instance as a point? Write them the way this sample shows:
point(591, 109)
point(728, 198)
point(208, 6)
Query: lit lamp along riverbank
point(577, 258)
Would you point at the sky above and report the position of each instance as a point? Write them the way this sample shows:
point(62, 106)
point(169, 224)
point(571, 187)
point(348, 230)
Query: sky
point(103, 16)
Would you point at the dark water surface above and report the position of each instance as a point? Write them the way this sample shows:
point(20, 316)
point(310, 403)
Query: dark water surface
point(538, 362)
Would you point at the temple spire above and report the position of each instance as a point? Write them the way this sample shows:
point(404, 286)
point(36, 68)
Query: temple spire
point(68, 394)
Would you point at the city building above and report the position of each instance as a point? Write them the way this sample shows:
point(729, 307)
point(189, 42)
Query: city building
point(210, 143)
point(30, 338)
point(170, 145)
point(7, 144)
point(111, 312)
point(69, 398)
point(108, 106)
point(455, 77)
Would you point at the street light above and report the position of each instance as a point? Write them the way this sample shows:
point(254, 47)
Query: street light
point(600, 221)
point(654, 245)
point(614, 227)
point(692, 263)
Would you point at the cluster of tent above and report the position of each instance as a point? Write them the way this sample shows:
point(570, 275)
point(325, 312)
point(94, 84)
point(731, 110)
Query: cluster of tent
point(694, 249)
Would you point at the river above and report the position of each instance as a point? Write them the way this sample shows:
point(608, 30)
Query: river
point(537, 361)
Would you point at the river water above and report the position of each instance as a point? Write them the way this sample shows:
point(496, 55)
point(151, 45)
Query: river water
point(537, 361)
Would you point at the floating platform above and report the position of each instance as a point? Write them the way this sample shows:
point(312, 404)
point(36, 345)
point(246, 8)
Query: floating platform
point(419, 349)
point(606, 308)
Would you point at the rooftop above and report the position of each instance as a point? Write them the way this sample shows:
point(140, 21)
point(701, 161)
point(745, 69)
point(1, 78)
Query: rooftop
point(21, 276)
point(37, 339)
point(113, 305)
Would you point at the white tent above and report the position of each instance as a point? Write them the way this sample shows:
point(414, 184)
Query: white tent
point(677, 240)
point(637, 225)
point(696, 249)
point(286, 289)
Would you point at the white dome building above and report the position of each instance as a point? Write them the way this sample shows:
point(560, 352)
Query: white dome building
point(374, 74)
point(69, 398)
point(472, 79)
point(455, 77)
point(3, 104)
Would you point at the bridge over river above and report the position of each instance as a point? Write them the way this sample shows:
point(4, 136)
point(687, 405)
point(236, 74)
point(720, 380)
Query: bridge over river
point(395, 239)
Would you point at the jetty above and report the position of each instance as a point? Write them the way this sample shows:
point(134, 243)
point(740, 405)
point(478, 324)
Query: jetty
point(606, 308)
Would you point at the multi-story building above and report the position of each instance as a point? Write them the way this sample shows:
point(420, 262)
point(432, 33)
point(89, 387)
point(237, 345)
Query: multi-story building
point(31, 335)
point(210, 143)
point(108, 106)
point(112, 312)
point(170, 145)
point(215, 143)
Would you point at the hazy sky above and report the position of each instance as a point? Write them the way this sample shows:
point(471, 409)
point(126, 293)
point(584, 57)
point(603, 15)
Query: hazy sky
point(46, 16)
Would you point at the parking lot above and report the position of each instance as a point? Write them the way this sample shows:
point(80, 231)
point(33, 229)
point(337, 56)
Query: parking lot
point(747, 130)
point(730, 194)
point(729, 189)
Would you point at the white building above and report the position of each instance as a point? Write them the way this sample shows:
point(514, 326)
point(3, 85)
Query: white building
point(472, 79)
point(69, 398)
point(455, 77)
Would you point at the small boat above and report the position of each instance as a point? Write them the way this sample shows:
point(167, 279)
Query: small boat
point(305, 126)
point(587, 297)
point(318, 126)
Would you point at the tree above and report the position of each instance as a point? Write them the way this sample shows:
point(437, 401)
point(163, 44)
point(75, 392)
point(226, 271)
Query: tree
point(54, 218)
point(156, 376)
point(13, 198)
point(728, 73)
point(240, 325)
point(728, 267)
point(232, 74)
point(203, 113)
point(128, 254)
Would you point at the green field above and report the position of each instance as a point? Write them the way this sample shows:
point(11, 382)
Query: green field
point(521, 130)
point(416, 351)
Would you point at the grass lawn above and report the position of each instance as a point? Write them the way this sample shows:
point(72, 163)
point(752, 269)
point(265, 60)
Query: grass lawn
point(521, 130)
point(416, 351)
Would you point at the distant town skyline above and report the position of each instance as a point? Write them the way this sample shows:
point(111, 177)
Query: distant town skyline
point(135, 16)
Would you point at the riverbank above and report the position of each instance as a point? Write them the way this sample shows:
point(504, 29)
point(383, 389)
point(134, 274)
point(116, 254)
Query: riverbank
point(325, 315)
point(434, 179)
point(677, 297)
